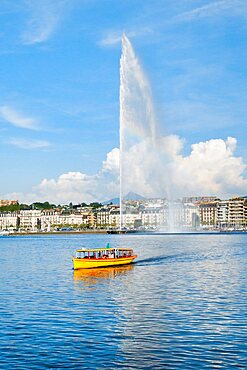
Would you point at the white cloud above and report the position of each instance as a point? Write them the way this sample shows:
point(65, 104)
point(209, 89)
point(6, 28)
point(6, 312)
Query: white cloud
point(211, 168)
point(77, 186)
point(15, 118)
point(111, 164)
point(29, 143)
point(71, 186)
point(113, 38)
point(44, 18)
point(211, 9)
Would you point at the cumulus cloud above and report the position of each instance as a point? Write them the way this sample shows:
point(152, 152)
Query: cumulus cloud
point(211, 168)
point(71, 186)
point(17, 119)
point(77, 186)
point(111, 164)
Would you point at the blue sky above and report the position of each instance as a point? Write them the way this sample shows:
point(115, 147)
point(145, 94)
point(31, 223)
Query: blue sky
point(59, 80)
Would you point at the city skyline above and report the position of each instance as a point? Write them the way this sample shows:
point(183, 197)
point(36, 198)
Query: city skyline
point(59, 110)
point(191, 214)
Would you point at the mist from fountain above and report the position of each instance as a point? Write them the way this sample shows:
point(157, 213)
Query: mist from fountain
point(144, 163)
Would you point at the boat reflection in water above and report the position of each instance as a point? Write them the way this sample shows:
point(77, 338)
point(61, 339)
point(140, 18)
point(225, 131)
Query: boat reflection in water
point(95, 274)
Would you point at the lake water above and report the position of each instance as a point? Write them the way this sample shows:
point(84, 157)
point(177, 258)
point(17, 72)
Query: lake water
point(182, 305)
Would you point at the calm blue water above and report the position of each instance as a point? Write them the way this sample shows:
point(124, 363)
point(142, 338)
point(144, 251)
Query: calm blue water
point(181, 306)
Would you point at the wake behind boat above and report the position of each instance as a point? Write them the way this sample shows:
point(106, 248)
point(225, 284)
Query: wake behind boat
point(102, 257)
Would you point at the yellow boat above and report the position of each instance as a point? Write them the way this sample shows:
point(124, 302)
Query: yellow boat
point(102, 257)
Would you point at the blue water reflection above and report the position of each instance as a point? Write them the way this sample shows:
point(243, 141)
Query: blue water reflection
point(181, 305)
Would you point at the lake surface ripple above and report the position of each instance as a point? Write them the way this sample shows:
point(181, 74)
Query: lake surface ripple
point(182, 305)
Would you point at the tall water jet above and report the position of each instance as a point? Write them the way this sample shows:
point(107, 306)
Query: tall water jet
point(144, 164)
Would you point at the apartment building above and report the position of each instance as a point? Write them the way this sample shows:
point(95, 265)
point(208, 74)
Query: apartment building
point(30, 219)
point(152, 216)
point(208, 214)
point(222, 214)
point(103, 218)
point(9, 221)
point(190, 216)
point(57, 218)
point(237, 212)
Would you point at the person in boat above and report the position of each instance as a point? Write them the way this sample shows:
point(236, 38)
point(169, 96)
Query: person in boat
point(112, 255)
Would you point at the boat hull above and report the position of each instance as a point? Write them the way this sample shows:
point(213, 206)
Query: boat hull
point(88, 263)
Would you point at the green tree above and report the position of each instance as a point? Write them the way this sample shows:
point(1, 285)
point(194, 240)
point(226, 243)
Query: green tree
point(95, 205)
point(10, 208)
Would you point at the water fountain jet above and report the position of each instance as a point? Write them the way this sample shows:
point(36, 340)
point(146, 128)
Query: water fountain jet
point(144, 162)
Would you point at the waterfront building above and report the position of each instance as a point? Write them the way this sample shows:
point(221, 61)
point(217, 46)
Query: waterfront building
point(238, 213)
point(50, 218)
point(30, 220)
point(9, 221)
point(114, 217)
point(208, 214)
point(222, 214)
point(153, 217)
point(102, 218)
point(57, 219)
point(190, 216)
point(110, 218)
point(131, 220)
point(73, 219)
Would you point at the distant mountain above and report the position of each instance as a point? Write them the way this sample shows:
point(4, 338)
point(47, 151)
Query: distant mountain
point(130, 196)
point(111, 201)
point(133, 196)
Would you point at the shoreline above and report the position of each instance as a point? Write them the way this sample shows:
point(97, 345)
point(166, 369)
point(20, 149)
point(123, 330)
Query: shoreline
point(104, 232)
point(58, 232)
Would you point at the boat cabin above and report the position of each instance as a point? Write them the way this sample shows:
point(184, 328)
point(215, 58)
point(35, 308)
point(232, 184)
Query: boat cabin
point(104, 253)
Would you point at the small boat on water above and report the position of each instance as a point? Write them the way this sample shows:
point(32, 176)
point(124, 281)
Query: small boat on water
point(102, 257)
point(121, 231)
point(116, 231)
point(4, 233)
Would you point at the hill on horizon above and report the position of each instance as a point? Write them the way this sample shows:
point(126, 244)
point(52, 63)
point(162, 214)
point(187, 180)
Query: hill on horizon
point(130, 196)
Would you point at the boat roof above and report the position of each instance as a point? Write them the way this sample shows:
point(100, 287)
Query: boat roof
point(104, 249)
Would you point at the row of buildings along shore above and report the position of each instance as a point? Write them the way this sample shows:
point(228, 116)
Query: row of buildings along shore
point(187, 214)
